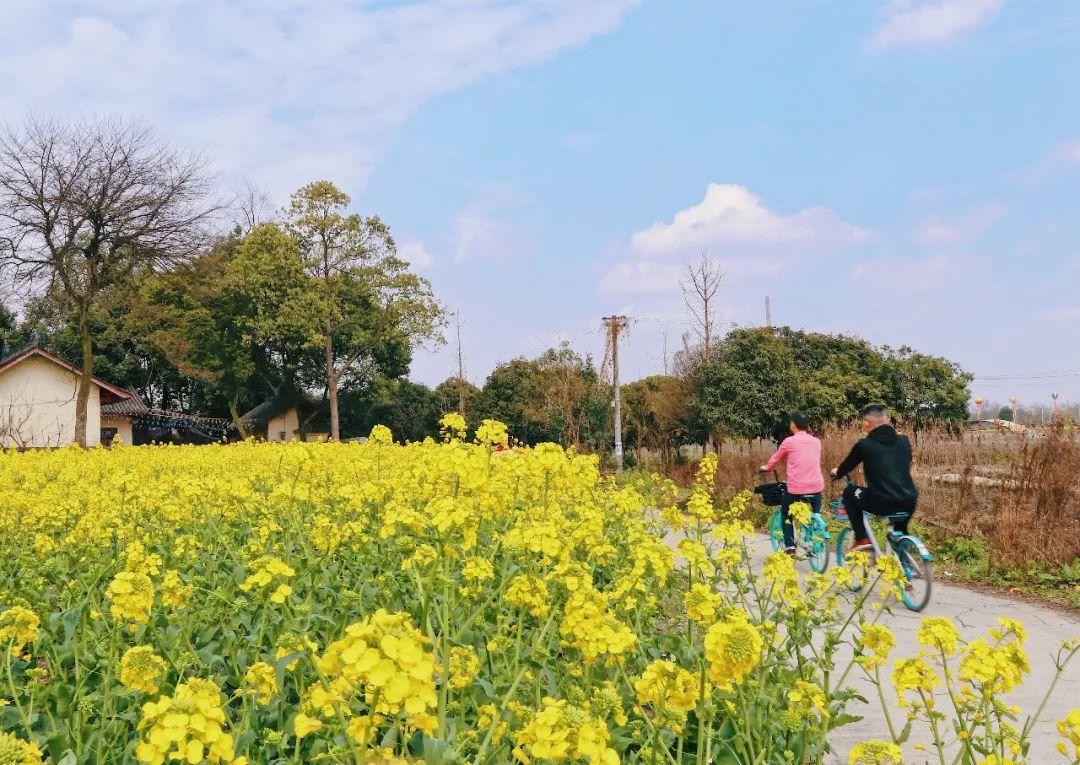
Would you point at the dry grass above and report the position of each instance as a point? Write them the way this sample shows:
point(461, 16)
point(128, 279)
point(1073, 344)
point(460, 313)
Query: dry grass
point(1018, 494)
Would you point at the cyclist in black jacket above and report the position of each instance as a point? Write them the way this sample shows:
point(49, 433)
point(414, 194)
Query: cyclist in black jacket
point(886, 459)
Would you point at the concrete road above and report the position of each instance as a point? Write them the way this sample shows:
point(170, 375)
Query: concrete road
point(975, 613)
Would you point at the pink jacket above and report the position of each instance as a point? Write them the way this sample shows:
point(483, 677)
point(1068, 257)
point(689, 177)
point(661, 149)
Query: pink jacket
point(803, 454)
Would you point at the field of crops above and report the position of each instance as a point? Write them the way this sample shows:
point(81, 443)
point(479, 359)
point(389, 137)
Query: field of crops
point(445, 603)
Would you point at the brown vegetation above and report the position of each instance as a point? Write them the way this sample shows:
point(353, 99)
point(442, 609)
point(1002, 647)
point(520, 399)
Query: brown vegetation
point(1018, 494)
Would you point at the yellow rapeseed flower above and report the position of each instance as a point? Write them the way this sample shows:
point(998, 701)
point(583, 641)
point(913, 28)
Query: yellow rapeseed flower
point(18, 628)
point(132, 596)
point(141, 669)
point(733, 649)
point(876, 752)
point(260, 682)
point(15, 751)
point(666, 686)
point(939, 634)
point(875, 642)
point(189, 726)
point(1069, 728)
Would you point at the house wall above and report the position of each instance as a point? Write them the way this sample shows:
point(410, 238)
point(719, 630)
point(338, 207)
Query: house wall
point(37, 406)
point(284, 426)
point(124, 431)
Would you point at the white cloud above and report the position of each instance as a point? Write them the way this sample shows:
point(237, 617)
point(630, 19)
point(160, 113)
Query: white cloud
point(745, 238)
point(642, 276)
point(281, 92)
point(732, 215)
point(930, 22)
point(415, 254)
point(936, 230)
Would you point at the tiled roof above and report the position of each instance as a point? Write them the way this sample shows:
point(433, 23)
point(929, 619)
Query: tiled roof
point(37, 350)
point(126, 408)
point(139, 410)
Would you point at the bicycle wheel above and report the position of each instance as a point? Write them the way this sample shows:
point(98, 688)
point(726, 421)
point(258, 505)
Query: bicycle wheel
point(858, 573)
point(776, 531)
point(817, 544)
point(914, 560)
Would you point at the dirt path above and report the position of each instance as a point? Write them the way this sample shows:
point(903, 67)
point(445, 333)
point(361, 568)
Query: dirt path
point(975, 613)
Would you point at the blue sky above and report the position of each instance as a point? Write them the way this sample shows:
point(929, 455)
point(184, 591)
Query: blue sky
point(907, 171)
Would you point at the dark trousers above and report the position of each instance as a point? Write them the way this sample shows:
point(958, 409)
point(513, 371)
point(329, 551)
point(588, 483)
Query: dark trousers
point(814, 500)
point(857, 500)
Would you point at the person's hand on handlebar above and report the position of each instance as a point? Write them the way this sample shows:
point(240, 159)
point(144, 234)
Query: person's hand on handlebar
point(763, 469)
point(833, 473)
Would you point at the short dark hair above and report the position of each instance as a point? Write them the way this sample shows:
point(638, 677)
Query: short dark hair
point(801, 419)
point(874, 410)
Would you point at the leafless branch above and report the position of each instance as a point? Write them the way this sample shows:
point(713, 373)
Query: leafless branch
point(701, 285)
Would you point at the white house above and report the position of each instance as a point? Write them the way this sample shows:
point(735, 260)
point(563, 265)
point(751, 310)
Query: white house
point(37, 402)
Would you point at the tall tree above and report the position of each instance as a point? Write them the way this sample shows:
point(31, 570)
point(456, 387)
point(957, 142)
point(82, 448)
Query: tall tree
point(364, 290)
point(85, 207)
point(701, 284)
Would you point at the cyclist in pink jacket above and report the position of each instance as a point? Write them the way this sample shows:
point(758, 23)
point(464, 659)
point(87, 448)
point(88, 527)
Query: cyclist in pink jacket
point(804, 479)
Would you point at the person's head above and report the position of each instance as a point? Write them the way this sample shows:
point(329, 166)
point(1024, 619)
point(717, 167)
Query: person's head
point(872, 417)
point(799, 421)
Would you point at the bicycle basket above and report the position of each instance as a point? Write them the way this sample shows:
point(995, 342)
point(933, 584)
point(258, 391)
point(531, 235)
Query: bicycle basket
point(772, 494)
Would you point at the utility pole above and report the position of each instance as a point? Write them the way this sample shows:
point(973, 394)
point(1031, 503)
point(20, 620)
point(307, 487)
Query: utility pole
point(768, 313)
point(460, 366)
point(665, 351)
point(616, 324)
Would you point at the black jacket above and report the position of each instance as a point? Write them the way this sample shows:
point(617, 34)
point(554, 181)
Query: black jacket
point(886, 459)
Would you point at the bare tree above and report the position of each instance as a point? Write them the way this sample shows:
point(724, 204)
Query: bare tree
point(250, 207)
point(701, 284)
point(86, 206)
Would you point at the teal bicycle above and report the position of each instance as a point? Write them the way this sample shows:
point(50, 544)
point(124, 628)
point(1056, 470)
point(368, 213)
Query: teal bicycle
point(811, 539)
point(909, 550)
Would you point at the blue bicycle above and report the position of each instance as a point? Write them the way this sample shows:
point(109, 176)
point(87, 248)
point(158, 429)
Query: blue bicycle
point(811, 539)
point(909, 550)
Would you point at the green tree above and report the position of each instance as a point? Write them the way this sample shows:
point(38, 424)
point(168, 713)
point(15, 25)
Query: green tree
point(923, 389)
point(656, 411)
point(838, 374)
point(758, 375)
point(451, 391)
point(555, 397)
point(409, 409)
point(751, 378)
point(571, 404)
point(366, 294)
point(509, 395)
point(238, 316)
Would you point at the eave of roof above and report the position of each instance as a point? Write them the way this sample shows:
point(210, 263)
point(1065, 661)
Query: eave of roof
point(37, 350)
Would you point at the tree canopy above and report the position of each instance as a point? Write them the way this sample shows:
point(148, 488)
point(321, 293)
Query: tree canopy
point(755, 376)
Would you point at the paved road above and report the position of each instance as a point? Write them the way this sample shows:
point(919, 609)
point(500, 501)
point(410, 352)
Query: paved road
point(975, 613)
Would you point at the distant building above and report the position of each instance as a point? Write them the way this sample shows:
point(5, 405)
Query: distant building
point(37, 408)
point(37, 402)
point(284, 417)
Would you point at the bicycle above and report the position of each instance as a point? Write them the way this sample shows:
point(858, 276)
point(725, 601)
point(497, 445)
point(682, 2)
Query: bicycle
point(909, 550)
point(813, 539)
